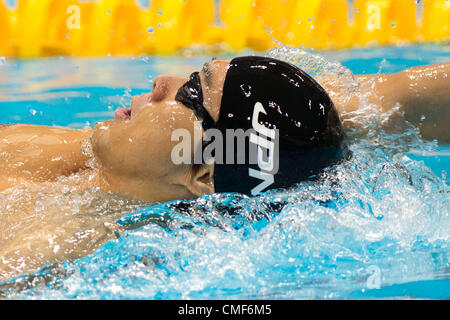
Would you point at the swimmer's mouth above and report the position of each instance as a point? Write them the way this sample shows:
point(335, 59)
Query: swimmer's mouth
point(123, 114)
point(138, 102)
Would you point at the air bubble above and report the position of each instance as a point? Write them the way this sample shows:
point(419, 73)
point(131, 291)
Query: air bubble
point(145, 58)
point(246, 89)
point(126, 98)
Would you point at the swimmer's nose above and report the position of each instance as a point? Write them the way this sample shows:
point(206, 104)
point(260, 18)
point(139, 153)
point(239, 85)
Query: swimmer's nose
point(166, 86)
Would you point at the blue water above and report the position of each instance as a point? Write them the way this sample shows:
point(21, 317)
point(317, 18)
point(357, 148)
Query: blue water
point(376, 227)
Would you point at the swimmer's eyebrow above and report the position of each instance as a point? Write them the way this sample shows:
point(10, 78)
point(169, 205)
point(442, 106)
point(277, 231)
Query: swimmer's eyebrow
point(207, 73)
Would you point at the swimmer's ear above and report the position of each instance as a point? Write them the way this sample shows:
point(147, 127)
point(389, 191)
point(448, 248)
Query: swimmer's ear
point(201, 180)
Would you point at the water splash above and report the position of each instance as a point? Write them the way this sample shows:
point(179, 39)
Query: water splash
point(381, 210)
point(75, 223)
point(126, 98)
point(344, 84)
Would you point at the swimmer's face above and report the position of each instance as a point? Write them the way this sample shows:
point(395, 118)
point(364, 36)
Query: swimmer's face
point(134, 149)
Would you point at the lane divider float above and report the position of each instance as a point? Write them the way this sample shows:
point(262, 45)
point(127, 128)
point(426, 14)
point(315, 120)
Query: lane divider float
point(37, 28)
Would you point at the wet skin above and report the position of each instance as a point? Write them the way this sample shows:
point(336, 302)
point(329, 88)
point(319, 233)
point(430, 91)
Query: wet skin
point(133, 157)
point(133, 150)
point(132, 153)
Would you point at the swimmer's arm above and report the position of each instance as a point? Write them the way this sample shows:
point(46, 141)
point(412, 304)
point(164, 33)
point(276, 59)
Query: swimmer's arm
point(39, 153)
point(423, 94)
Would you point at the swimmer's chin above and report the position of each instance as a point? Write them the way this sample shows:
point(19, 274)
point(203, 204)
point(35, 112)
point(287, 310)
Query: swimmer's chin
point(103, 125)
point(101, 129)
point(100, 138)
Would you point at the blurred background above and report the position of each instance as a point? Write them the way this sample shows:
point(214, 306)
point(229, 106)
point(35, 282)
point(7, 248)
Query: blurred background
point(34, 28)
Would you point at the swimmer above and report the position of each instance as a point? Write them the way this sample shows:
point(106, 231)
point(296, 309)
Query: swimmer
point(134, 150)
point(295, 125)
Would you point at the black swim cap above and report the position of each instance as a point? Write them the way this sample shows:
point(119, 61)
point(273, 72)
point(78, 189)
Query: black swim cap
point(295, 129)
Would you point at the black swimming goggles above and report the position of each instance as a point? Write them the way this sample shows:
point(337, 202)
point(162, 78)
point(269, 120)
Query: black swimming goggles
point(190, 94)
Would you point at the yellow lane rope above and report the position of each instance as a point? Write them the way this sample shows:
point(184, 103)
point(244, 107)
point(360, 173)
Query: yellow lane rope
point(37, 28)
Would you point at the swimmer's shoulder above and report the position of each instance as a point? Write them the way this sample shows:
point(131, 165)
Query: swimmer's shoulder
point(40, 153)
point(40, 129)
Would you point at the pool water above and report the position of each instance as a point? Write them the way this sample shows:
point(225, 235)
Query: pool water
point(376, 227)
